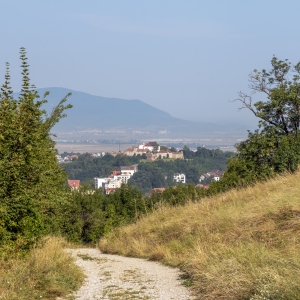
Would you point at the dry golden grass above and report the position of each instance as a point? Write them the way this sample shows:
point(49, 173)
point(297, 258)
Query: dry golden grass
point(239, 245)
point(48, 272)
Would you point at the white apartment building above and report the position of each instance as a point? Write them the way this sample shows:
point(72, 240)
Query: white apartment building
point(116, 179)
point(108, 183)
point(100, 182)
point(179, 177)
point(123, 177)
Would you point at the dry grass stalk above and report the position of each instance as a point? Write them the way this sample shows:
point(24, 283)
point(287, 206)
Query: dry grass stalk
point(47, 272)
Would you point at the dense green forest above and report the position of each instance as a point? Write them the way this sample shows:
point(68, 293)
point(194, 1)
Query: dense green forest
point(152, 174)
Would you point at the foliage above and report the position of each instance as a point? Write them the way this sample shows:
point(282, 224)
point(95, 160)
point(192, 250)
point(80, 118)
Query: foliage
point(84, 220)
point(274, 147)
point(261, 157)
point(281, 86)
point(88, 167)
point(160, 172)
point(177, 195)
point(31, 182)
point(93, 214)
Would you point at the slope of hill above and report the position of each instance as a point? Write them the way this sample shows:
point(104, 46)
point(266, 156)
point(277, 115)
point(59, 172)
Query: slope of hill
point(90, 112)
point(240, 245)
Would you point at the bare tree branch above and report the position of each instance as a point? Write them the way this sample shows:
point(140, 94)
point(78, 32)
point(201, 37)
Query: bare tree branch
point(246, 102)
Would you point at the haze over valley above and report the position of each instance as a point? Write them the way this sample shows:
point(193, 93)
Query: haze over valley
point(103, 120)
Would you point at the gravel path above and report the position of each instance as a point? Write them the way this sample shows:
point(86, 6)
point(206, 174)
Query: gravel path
point(115, 277)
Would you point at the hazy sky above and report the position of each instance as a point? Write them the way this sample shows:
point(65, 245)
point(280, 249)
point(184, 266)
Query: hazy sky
point(186, 57)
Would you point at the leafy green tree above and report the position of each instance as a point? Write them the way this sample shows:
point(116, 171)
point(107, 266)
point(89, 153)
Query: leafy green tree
point(281, 87)
point(192, 175)
point(187, 153)
point(170, 178)
point(31, 181)
point(85, 220)
point(123, 206)
point(274, 147)
point(142, 180)
point(164, 148)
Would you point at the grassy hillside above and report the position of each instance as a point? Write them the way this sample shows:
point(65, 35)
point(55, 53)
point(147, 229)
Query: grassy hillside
point(239, 245)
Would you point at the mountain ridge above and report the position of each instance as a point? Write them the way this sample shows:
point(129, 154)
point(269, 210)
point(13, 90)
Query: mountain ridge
point(97, 112)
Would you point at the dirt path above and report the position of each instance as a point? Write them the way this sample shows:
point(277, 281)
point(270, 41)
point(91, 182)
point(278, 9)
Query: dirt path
point(115, 277)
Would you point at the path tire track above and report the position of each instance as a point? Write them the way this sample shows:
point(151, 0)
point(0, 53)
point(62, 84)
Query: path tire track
point(115, 277)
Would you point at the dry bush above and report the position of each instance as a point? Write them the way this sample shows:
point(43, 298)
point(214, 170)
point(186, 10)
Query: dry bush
point(46, 273)
point(239, 245)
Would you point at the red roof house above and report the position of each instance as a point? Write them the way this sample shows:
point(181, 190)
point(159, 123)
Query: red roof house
point(74, 184)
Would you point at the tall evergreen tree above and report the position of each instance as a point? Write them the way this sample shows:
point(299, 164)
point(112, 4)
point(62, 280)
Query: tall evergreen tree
point(31, 181)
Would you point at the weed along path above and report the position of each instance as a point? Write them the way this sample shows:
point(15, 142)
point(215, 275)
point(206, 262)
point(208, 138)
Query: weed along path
point(115, 277)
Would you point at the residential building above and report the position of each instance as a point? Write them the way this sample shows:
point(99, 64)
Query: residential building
point(97, 154)
point(212, 175)
point(125, 170)
point(116, 179)
point(74, 184)
point(158, 190)
point(100, 182)
point(202, 186)
point(179, 177)
point(150, 146)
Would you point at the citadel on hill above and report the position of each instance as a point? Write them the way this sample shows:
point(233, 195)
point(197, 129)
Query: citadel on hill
point(153, 151)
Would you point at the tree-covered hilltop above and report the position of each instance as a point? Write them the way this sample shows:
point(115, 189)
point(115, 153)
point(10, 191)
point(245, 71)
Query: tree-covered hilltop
point(87, 167)
point(160, 173)
point(153, 174)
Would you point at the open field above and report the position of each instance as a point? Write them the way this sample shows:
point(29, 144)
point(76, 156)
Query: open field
point(83, 148)
point(240, 245)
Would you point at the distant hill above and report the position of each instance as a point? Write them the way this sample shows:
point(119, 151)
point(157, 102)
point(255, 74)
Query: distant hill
point(91, 112)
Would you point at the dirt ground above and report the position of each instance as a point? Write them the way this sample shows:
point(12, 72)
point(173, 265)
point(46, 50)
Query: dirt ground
point(114, 277)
